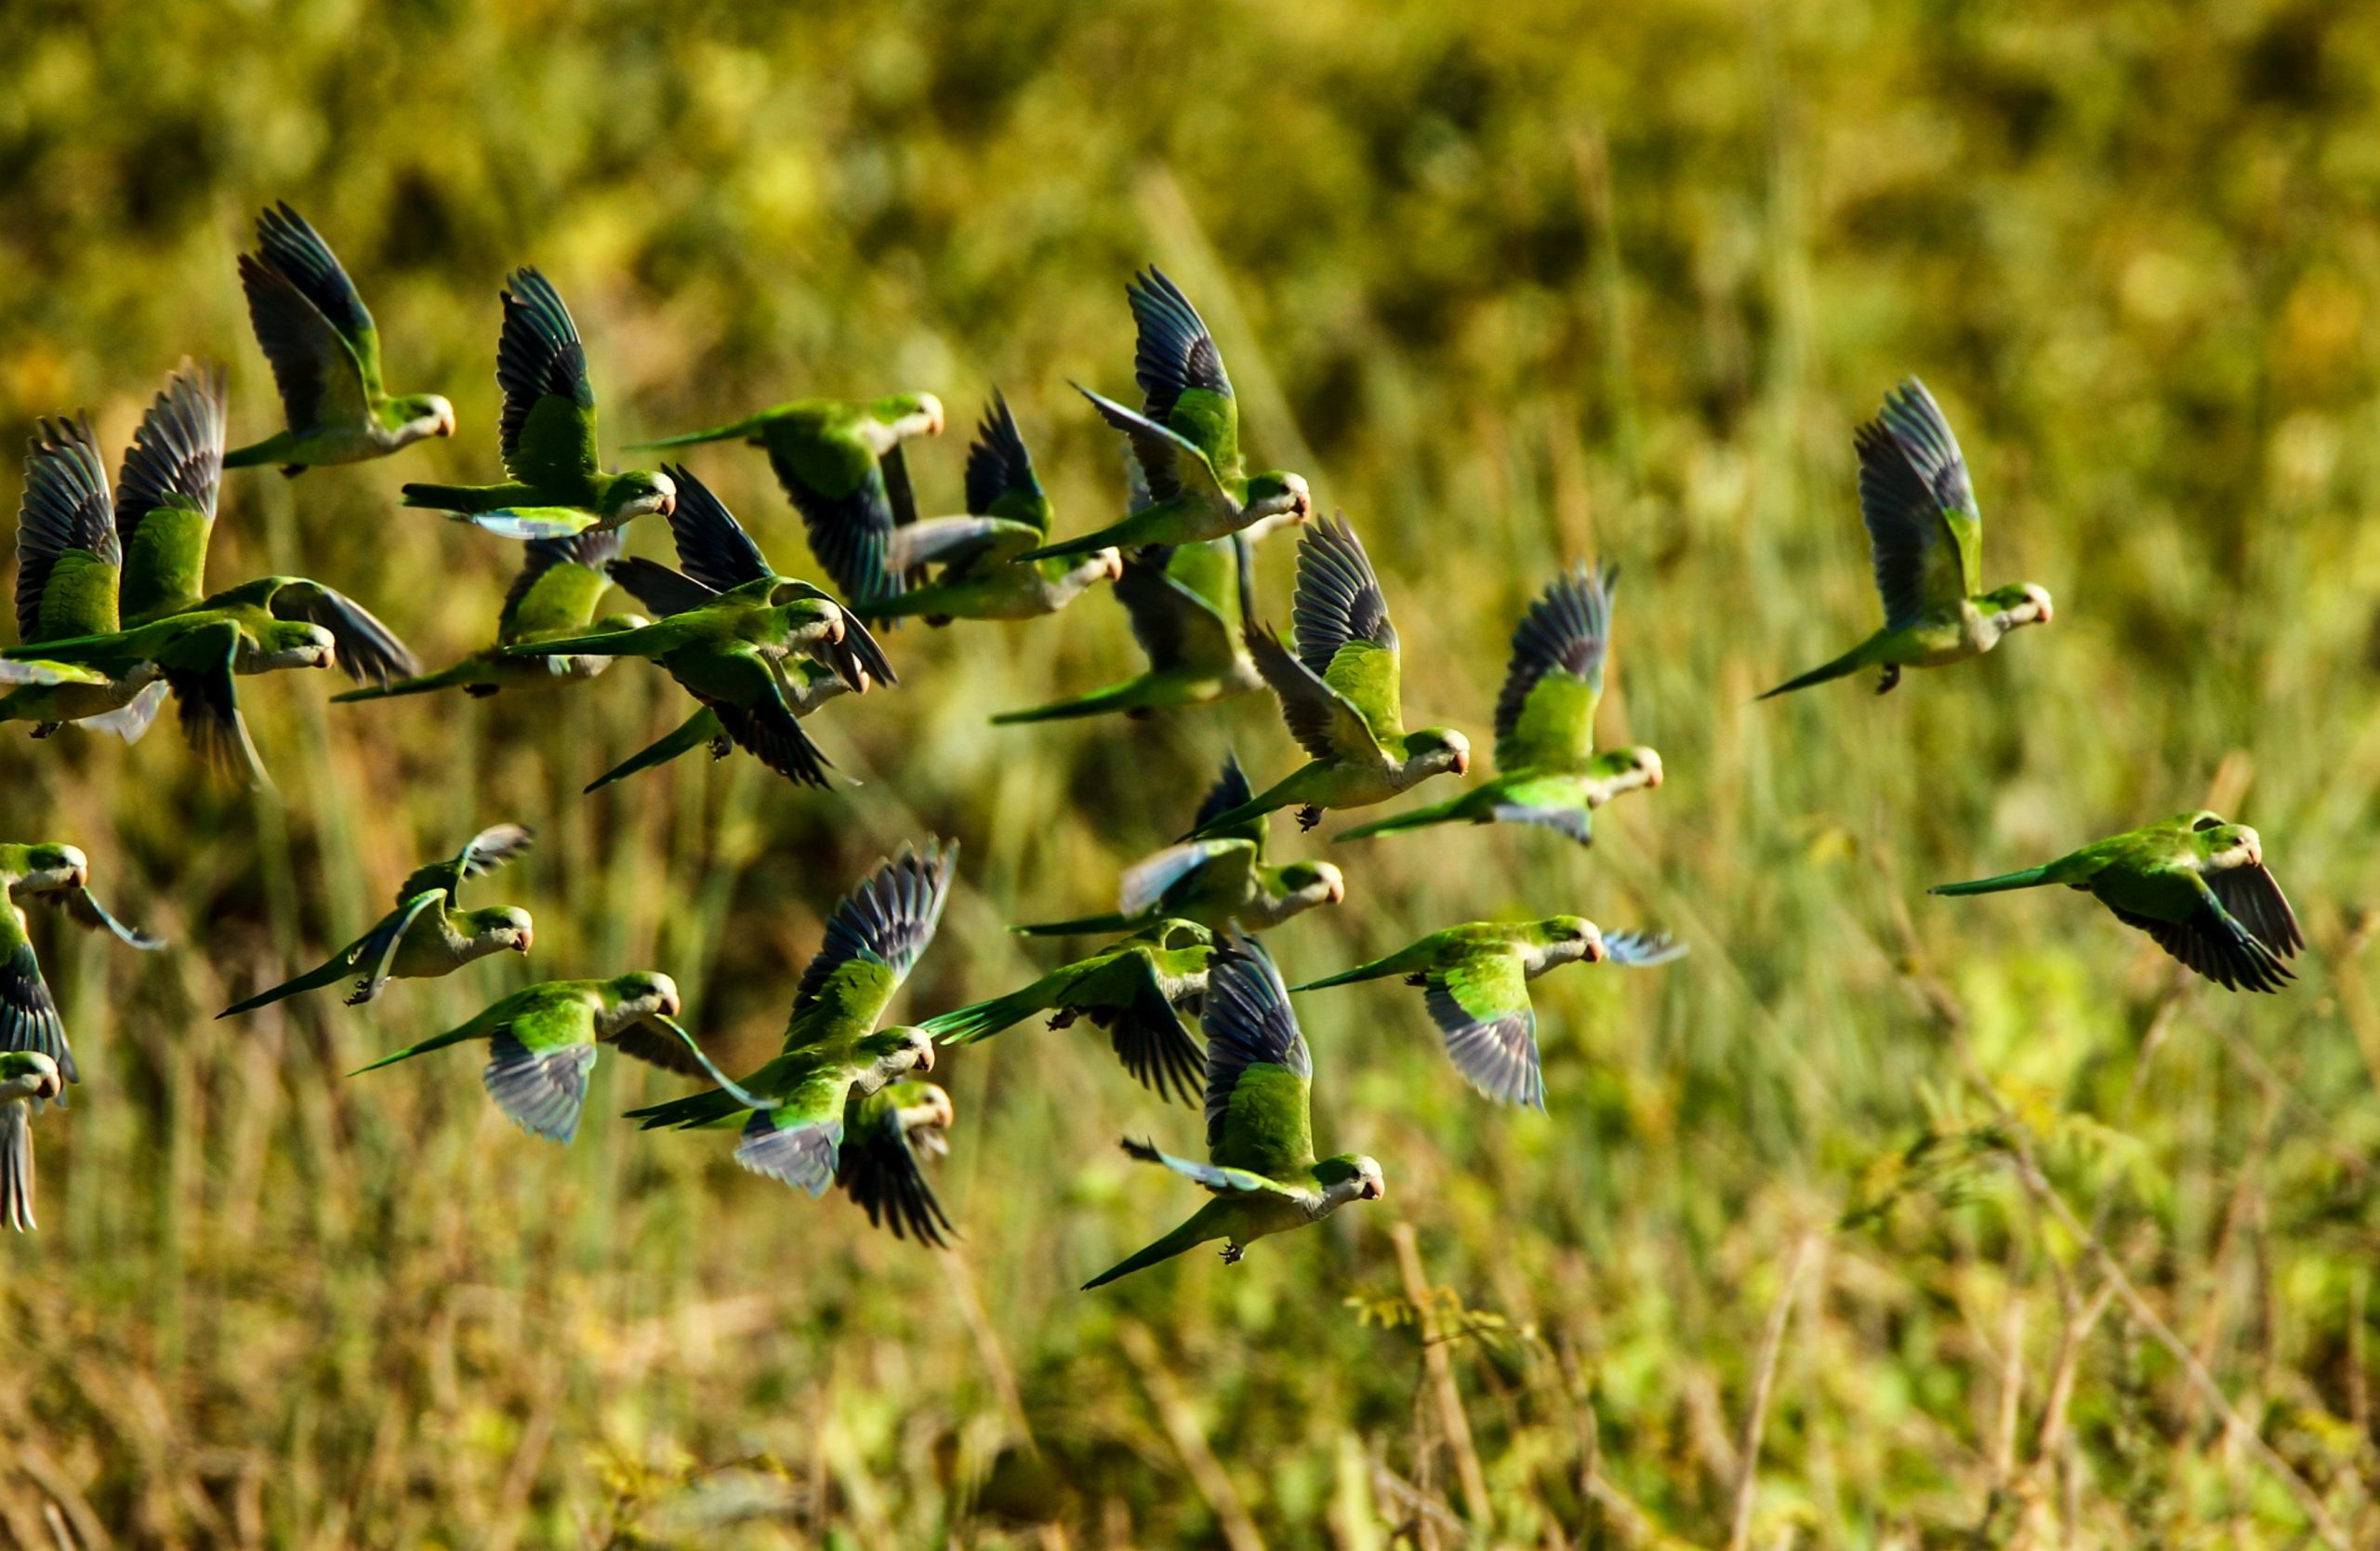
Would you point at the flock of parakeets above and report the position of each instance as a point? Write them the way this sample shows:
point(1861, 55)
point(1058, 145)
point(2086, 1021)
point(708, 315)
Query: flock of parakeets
point(114, 615)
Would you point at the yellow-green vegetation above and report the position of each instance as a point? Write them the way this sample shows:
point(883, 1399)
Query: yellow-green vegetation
point(1882, 1221)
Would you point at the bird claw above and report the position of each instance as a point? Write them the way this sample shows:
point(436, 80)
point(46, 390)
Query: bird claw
point(721, 747)
point(480, 692)
point(42, 729)
point(1232, 1253)
point(361, 994)
point(1064, 1018)
point(1308, 816)
point(1890, 681)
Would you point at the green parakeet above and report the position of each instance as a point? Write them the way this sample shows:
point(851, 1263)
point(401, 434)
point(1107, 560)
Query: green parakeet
point(1260, 1123)
point(68, 564)
point(1185, 438)
point(2195, 884)
point(841, 464)
point(1547, 770)
point(981, 577)
point(429, 934)
point(28, 1080)
point(542, 1041)
point(1341, 692)
point(884, 1132)
point(555, 485)
point(798, 1103)
point(1475, 982)
point(1218, 882)
point(325, 352)
point(164, 508)
point(1135, 989)
point(58, 876)
point(730, 627)
point(1927, 537)
point(561, 584)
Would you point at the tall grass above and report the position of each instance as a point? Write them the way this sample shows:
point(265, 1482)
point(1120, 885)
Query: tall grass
point(1879, 1222)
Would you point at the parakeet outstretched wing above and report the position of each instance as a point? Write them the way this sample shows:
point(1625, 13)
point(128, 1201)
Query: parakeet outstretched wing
point(1259, 1072)
point(311, 324)
point(490, 849)
point(559, 584)
point(1480, 1003)
point(874, 938)
point(1919, 507)
point(1545, 714)
point(547, 429)
point(68, 555)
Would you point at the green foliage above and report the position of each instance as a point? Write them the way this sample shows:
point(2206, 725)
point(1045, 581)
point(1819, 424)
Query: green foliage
point(1511, 284)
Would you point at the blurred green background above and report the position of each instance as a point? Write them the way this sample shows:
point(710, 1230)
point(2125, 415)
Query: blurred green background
point(1803, 1255)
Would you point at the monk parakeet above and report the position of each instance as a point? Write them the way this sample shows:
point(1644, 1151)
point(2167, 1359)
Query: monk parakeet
point(561, 584)
point(1218, 882)
point(841, 464)
point(429, 934)
point(57, 875)
point(325, 356)
point(884, 1132)
point(165, 506)
point(1341, 694)
point(797, 1102)
point(2195, 884)
point(1474, 981)
point(1185, 437)
point(1135, 989)
point(980, 575)
point(1547, 770)
point(1927, 537)
point(730, 627)
point(1260, 1123)
point(556, 484)
point(28, 1080)
point(68, 561)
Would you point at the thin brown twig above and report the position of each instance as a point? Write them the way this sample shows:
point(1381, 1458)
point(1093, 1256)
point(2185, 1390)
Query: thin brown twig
point(1440, 1369)
point(1772, 1341)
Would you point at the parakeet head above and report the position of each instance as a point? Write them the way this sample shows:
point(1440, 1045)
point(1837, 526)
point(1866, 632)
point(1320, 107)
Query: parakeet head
point(1307, 885)
point(288, 643)
point(1277, 494)
point(1570, 939)
point(1350, 1178)
point(1627, 769)
point(28, 1074)
point(1437, 750)
point(2225, 845)
point(55, 866)
point(903, 415)
point(924, 1112)
point(643, 994)
point(419, 415)
point(897, 1052)
point(1098, 566)
point(2023, 603)
point(640, 493)
point(499, 927)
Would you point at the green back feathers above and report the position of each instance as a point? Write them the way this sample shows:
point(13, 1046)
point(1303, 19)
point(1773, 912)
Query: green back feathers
point(1343, 633)
point(1259, 1070)
point(1181, 373)
point(1545, 713)
point(546, 428)
point(559, 584)
point(67, 550)
point(164, 498)
point(874, 936)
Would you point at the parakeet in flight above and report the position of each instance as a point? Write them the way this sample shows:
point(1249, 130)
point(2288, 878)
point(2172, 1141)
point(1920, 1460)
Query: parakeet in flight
point(1547, 770)
point(729, 630)
point(1260, 1123)
point(1218, 882)
point(980, 575)
point(325, 352)
point(164, 506)
point(1927, 536)
point(1135, 989)
point(1475, 982)
point(841, 464)
point(556, 485)
point(884, 1132)
point(1341, 692)
point(429, 934)
point(1185, 438)
point(68, 564)
point(561, 584)
point(61, 876)
point(798, 1103)
point(542, 1042)
point(2196, 884)
point(28, 1080)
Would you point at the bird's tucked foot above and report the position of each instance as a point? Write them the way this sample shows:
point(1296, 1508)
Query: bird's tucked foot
point(1064, 1018)
point(721, 746)
point(291, 470)
point(1140, 713)
point(936, 621)
point(42, 729)
point(479, 691)
point(1417, 980)
point(1890, 679)
point(1232, 1253)
point(361, 994)
point(1308, 816)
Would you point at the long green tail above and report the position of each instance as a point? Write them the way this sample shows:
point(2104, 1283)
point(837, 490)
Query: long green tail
point(460, 498)
point(273, 449)
point(984, 1019)
point(691, 735)
point(705, 1109)
point(1069, 548)
point(1082, 926)
point(2032, 877)
point(445, 679)
point(716, 433)
point(314, 979)
point(1201, 1229)
point(1378, 969)
point(1130, 696)
point(437, 1041)
point(1442, 813)
point(1847, 664)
